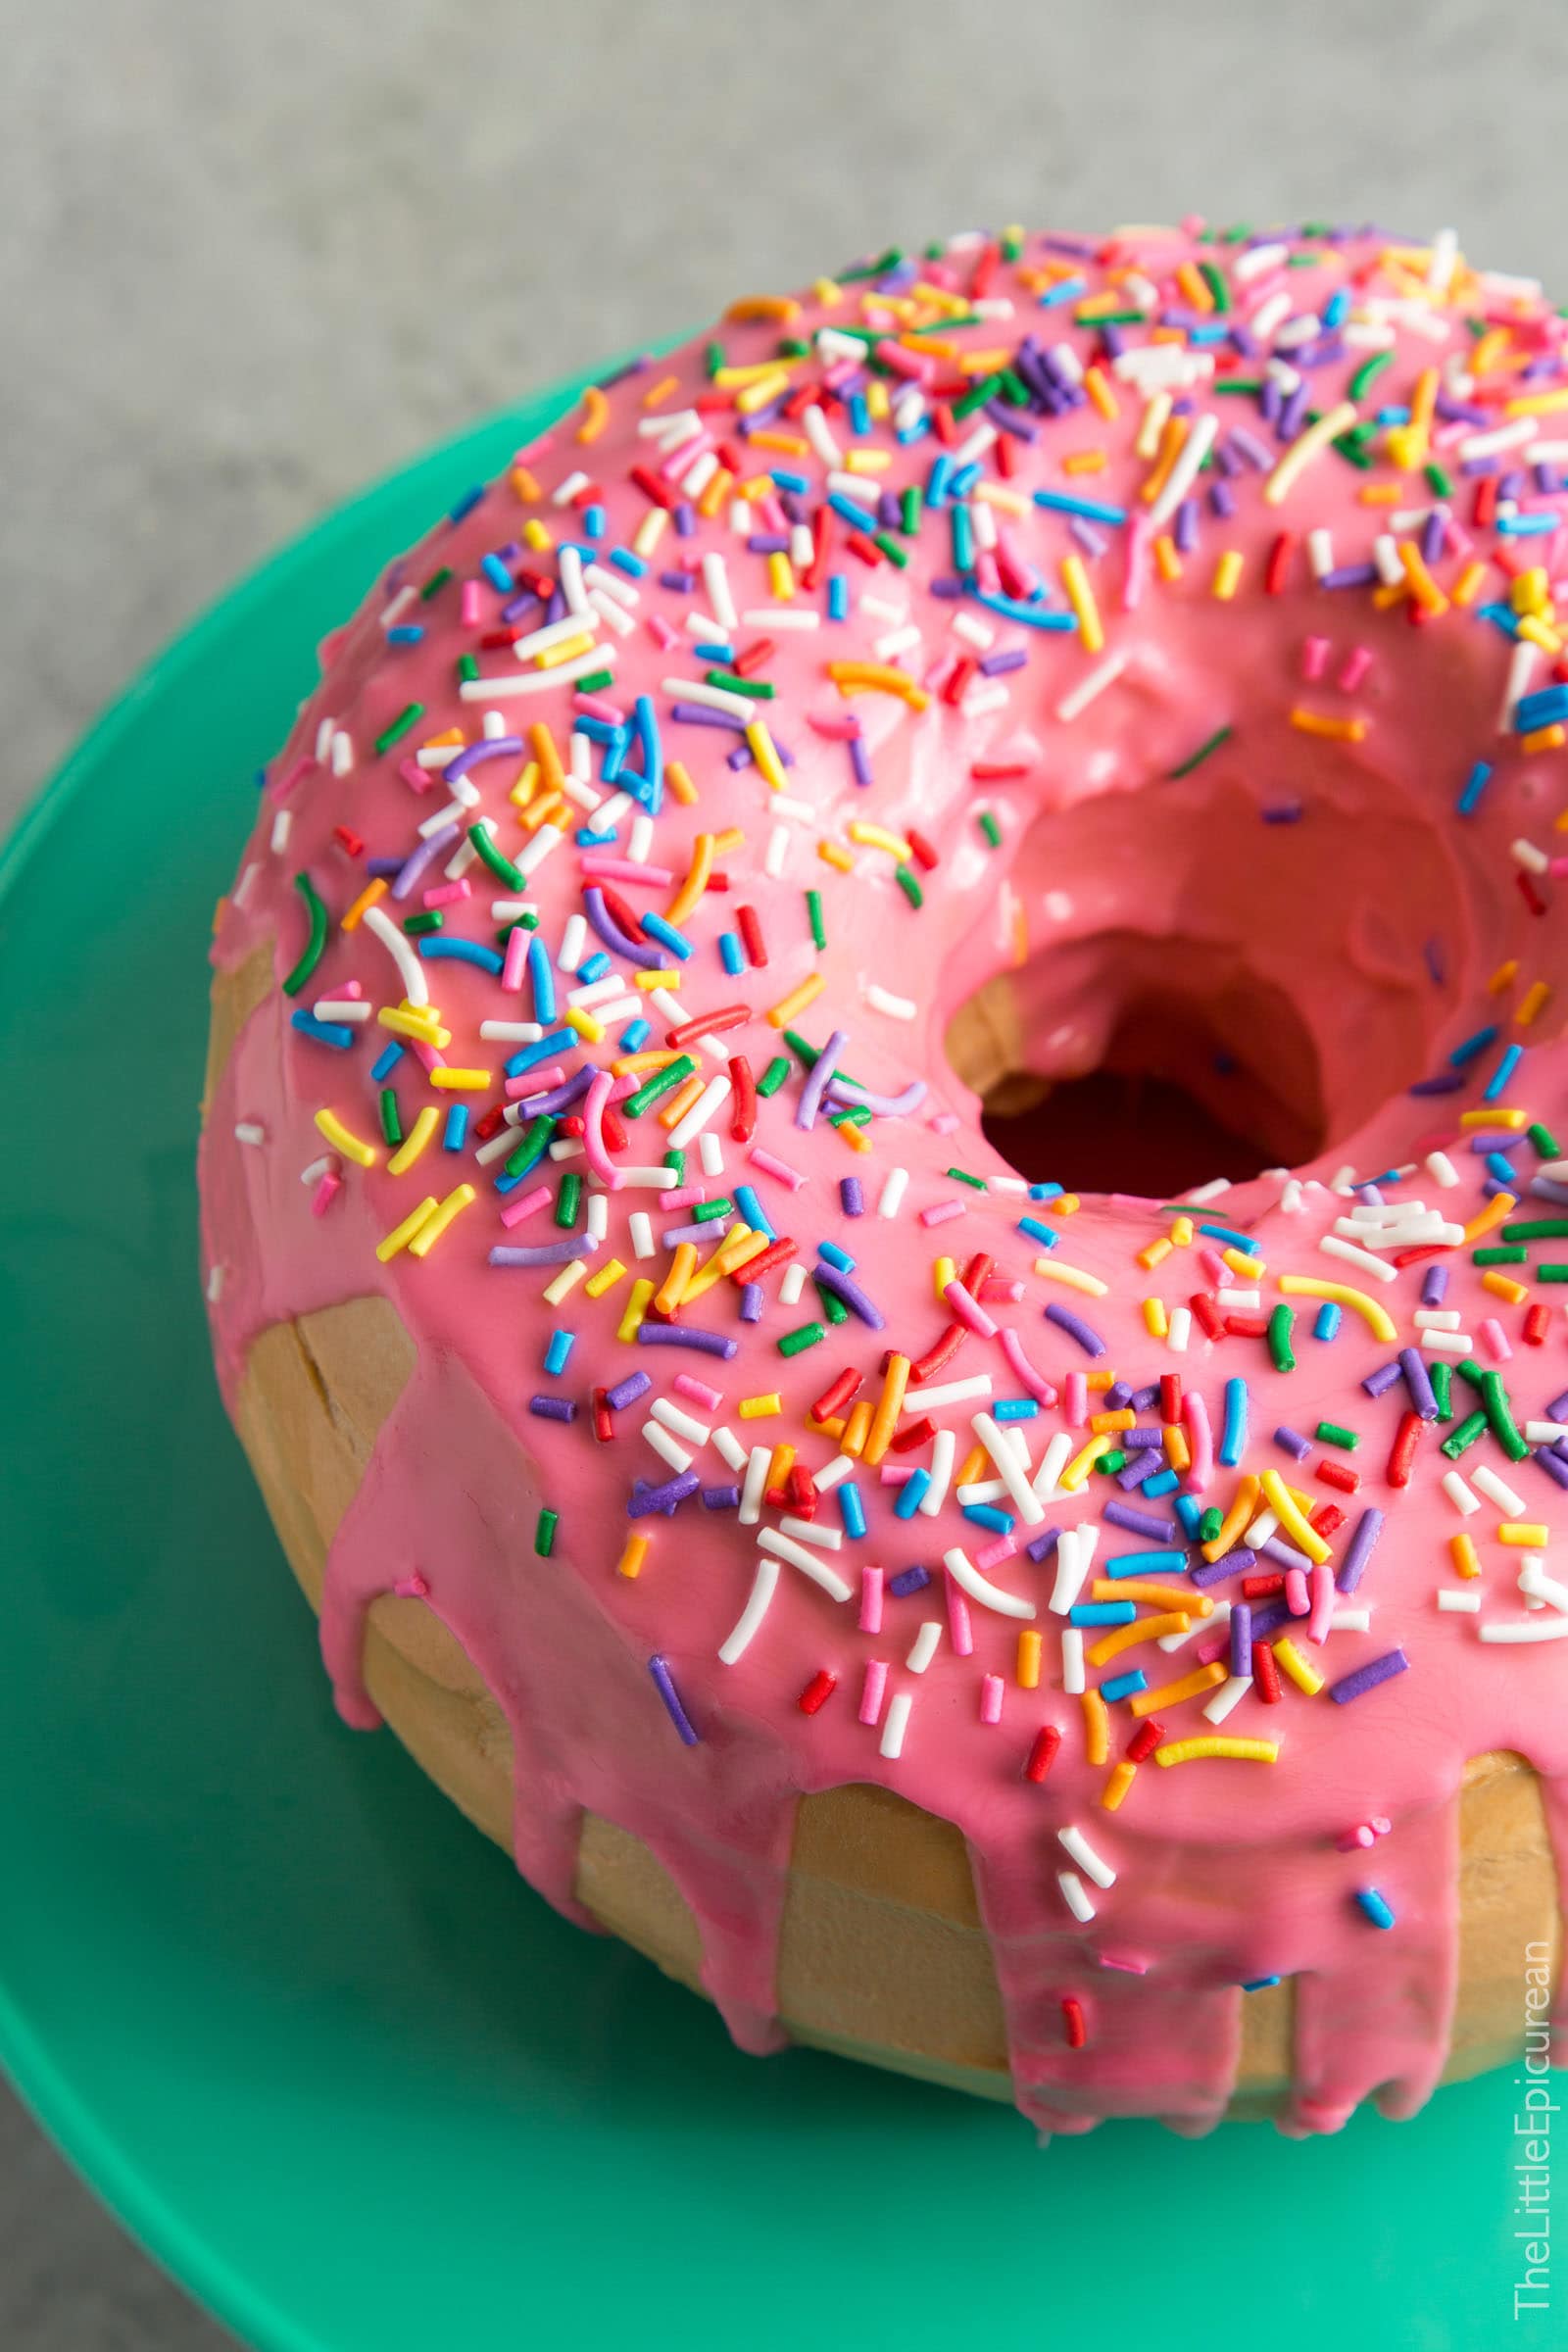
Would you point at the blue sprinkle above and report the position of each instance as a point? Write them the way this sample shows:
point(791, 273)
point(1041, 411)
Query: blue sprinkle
point(386, 1064)
point(668, 936)
point(338, 1034)
point(496, 573)
point(455, 1133)
point(1102, 1612)
point(593, 522)
point(625, 559)
point(1259, 1983)
point(910, 1494)
point(1044, 1192)
point(559, 1350)
point(986, 1514)
point(730, 955)
point(1232, 1442)
point(1476, 1043)
point(635, 1035)
point(1374, 1907)
point(596, 966)
point(1123, 1686)
point(753, 1211)
point(404, 632)
point(1016, 1409)
point(1036, 1231)
point(836, 1256)
point(851, 1509)
point(838, 596)
point(1511, 1057)
point(435, 950)
point(1093, 509)
point(1326, 1325)
point(466, 503)
point(1163, 1482)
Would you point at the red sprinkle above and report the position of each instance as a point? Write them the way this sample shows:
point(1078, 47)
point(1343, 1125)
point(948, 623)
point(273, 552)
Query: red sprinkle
point(833, 1400)
point(1148, 1737)
point(603, 1423)
point(1339, 1474)
point(1206, 1314)
point(1263, 1588)
point(818, 1690)
point(1043, 1753)
point(1170, 1397)
point(1265, 1673)
point(728, 1017)
point(777, 1253)
point(909, 1441)
point(1536, 1321)
point(941, 1354)
point(1074, 2028)
point(743, 1101)
point(920, 849)
point(1401, 1460)
point(1279, 563)
point(750, 931)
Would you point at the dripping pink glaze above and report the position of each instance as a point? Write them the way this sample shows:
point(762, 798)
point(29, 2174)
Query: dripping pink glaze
point(1226, 1871)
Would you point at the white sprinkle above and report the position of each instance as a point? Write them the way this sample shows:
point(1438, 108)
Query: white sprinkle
point(1525, 1629)
point(1377, 1267)
point(1441, 1169)
point(1180, 1331)
point(707, 1104)
point(763, 1585)
point(1183, 473)
point(964, 1573)
point(1030, 1509)
point(814, 426)
point(410, 969)
point(1106, 674)
point(1521, 661)
point(948, 1392)
point(1436, 1318)
point(1466, 1604)
point(684, 1424)
point(1543, 1433)
point(341, 1009)
point(249, 1131)
point(944, 1450)
point(532, 857)
point(778, 843)
point(710, 1152)
point(1075, 1895)
point(882, 1000)
point(730, 1448)
point(807, 1531)
point(792, 1283)
point(215, 1283)
point(838, 1470)
point(497, 1147)
point(597, 1220)
point(712, 698)
point(1447, 1343)
point(1525, 854)
point(1538, 1586)
point(537, 681)
point(1320, 552)
point(664, 1444)
point(1459, 1495)
point(893, 1730)
point(640, 1226)
point(1083, 1854)
point(754, 1485)
point(893, 1192)
point(923, 1648)
point(715, 580)
point(1498, 1490)
point(1200, 1195)
point(1073, 1558)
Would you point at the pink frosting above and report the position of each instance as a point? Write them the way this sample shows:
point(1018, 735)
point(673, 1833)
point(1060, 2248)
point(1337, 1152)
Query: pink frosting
point(1336, 959)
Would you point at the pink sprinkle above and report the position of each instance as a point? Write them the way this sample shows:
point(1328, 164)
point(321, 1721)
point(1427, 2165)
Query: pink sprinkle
point(895, 1474)
point(697, 1391)
point(514, 963)
point(778, 1168)
point(1315, 652)
point(942, 1212)
point(1023, 1370)
point(772, 514)
point(1214, 1266)
point(431, 1059)
point(661, 633)
point(1075, 1400)
point(624, 869)
point(1349, 1839)
point(412, 1588)
point(415, 777)
point(991, 1698)
point(870, 1600)
point(594, 706)
point(1296, 1599)
point(997, 1289)
point(1131, 1964)
point(1209, 1647)
point(943, 1123)
point(872, 1687)
point(1199, 1440)
point(1358, 661)
point(469, 609)
point(325, 1194)
point(350, 988)
point(686, 1197)
point(303, 765)
point(959, 1630)
point(901, 361)
point(1322, 1601)
point(1495, 1339)
point(535, 1081)
point(965, 1309)
point(445, 893)
point(523, 1205)
point(1000, 1548)
point(837, 730)
point(535, 447)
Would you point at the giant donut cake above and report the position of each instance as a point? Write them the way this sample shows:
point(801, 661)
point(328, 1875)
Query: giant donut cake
point(1084, 1647)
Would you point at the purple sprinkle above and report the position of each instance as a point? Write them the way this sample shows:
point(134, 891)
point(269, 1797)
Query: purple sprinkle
point(626, 1392)
point(1134, 1473)
point(1241, 1639)
point(909, 1580)
point(1187, 525)
point(546, 1253)
point(1257, 453)
point(712, 1230)
point(664, 1498)
point(422, 858)
point(1138, 1523)
point(681, 1335)
point(1350, 575)
point(1267, 1618)
point(852, 1200)
point(1293, 1443)
point(1283, 1556)
point(672, 1698)
point(721, 1498)
point(1557, 1410)
point(751, 1302)
point(1132, 1438)
point(1417, 1379)
point(1359, 1550)
point(821, 1070)
point(1240, 1562)
point(553, 1408)
point(613, 936)
point(1434, 1282)
point(1447, 1082)
point(860, 760)
point(474, 755)
point(1117, 1396)
point(1367, 1677)
point(995, 665)
point(1384, 1378)
point(1043, 1545)
point(1088, 1338)
point(1144, 1401)
point(828, 1278)
point(1553, 1464)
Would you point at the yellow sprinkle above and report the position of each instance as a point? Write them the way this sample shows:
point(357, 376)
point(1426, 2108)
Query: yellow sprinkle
point(1158, 1250)
point(1499, 1115)
point(1502, 1286)
point(1305, 449)
point(566, 1281)
point(567, 650)
point(1121, 1779)
point(369, 896)
point(433, 1227)
point(682, 1265)
point(1029, 1658)
point(943, 1270)
point(1532, 1001)
point(1167, 563)
point(1171, 1694)
point(1188, 1751)
point(757, 1409)
point(1532, 1533)
point(878, 837)
point(401, 1235)
point(591, 1031)
point(1240, 1261)
point(1464, 1557)
point(997, 494)
point(1142, 1629)
point(765, 754)
point(885, 1419)
point(1072, 1278)
point(788, 1009)
point(1078, 1469)
point(1301, 1531)
point(1537, 404)
point(637, 1299)
point(832, 855)
point(421, 1022)
point(1377, 1320)
point(758, 396)
point(527, 786)
point(460, 1082)
point(635, 1551)
point(604, 1277)
point(342, 1138)
point(413, 1143)
point(649, 531)
point(1305, 1676)
point(1081, 597)
point(1228, 574)
point(1097, 1728)
point(536, 534)
point(780, 577)
point(1336, 730)
point(846, 675)
point(1155, 1320)
point(1536, 631)
point(1181, 1232)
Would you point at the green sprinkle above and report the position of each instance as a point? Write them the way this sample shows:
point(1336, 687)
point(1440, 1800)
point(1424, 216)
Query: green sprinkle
point(1441, 1375)
point(878, 268)
point(1334, 1433)
point(1247, 385)
point(499, 864)
point(1537, 1229)
point(675, 1163)
point(909, 505)
point(1280, 1324)
point(1196, 759)
point(1209, 1525)
point(896, 555)
point(595, 681)
point(794, 1343)
point(1473, 1426)
point(1513, 1256)
point(1109, 1464)
point(1439, 479)
point(976, 397)
point(1544, 1142)
point(713, 357)
point(526, 921)
point(1499, 1412)
point(1367, 373)
point(391, 1124)
point(773, 1077)
point(989, 830)
point(1108, 317)
point(1217, 287)
point(660, 1081)
point(962, 1176)
point(316, 942)
point(416, 925)
point(1012, 247)
point(435, 584)
point(758, 689)
point(544, 1534)
point(707, 1211)
point(790, 347)
point(1552, 1270)
point(814, 909)
point(853, 1114)
point(832, 1307)
point(467, 666)
point(532, 1149)
point(567, 1199)
point(910, 886)
point(809, 1054)
point(408, 716)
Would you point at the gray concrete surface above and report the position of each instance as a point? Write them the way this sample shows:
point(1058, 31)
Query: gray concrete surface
point(250, 257)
